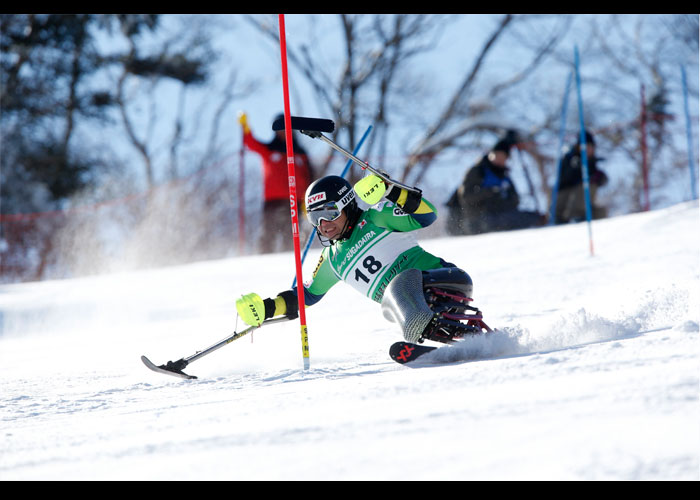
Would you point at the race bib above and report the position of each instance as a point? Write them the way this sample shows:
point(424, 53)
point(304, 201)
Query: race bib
point(364, 263)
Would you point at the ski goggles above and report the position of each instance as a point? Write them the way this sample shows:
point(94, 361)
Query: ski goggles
point(328, 212)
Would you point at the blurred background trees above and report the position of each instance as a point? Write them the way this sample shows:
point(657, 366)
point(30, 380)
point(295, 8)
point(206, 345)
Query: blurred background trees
point(120, 149)
point(81, 92)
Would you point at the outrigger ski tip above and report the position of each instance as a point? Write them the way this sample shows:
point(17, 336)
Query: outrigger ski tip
point(173, 368)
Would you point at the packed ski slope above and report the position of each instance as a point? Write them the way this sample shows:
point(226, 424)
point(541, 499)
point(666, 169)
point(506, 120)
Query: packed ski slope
point(593, 374)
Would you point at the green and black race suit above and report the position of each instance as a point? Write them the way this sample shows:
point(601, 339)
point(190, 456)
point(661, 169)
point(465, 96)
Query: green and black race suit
point(381, 245)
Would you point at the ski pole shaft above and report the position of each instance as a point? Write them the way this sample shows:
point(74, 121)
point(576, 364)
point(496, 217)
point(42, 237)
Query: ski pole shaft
point(310, 238)
point(229, 339)
point(356, 150)
point(357, 161)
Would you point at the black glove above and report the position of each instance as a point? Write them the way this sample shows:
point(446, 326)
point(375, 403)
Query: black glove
point(599, 178)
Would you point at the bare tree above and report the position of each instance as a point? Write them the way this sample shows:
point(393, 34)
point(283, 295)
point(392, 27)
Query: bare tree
point(186, 219)
point(470, 110)
point(181, 58)
point(374, 81)
point(374, 48)
point(630, 58)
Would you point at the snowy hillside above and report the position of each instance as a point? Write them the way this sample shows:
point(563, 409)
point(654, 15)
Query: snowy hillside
point(594, 373)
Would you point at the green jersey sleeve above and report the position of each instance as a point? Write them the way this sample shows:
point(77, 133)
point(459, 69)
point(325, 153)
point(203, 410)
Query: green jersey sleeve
point(389, 216)
point(322, 279)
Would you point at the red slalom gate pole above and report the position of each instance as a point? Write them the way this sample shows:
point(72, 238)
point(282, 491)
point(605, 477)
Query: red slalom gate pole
point(291, 174)
point(241, 200)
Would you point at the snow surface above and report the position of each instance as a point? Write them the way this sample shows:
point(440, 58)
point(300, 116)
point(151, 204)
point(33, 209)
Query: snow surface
point(592, 376)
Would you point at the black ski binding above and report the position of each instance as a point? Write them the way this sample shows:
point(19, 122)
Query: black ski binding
point(448, 318)
point(453, 317)
point(173, 368)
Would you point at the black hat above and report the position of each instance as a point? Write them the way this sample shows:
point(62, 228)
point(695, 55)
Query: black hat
point(589, 139)
point(504, 146)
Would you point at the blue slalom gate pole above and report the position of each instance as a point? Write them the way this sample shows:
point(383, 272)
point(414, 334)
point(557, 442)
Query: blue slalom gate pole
point(310, 239)
point(562, 129)
point(691, 159)
point(584, 155)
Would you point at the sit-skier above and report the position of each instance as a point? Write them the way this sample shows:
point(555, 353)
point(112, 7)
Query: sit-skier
point(375, 251)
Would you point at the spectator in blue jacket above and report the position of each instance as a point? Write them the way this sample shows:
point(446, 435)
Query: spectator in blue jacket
point(487, 199)
point(571, 202)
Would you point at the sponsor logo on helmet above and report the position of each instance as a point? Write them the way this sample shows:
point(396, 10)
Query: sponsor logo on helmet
point(347, 198)
point(316, 198)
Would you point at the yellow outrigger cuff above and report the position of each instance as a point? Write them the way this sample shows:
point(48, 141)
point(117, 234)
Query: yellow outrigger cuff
point(251, 309)
point(370, 189)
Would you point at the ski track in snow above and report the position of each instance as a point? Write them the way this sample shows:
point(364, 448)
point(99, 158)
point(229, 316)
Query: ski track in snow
point(591, 374)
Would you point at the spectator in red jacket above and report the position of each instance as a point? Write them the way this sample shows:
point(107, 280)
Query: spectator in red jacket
point(277, 234)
